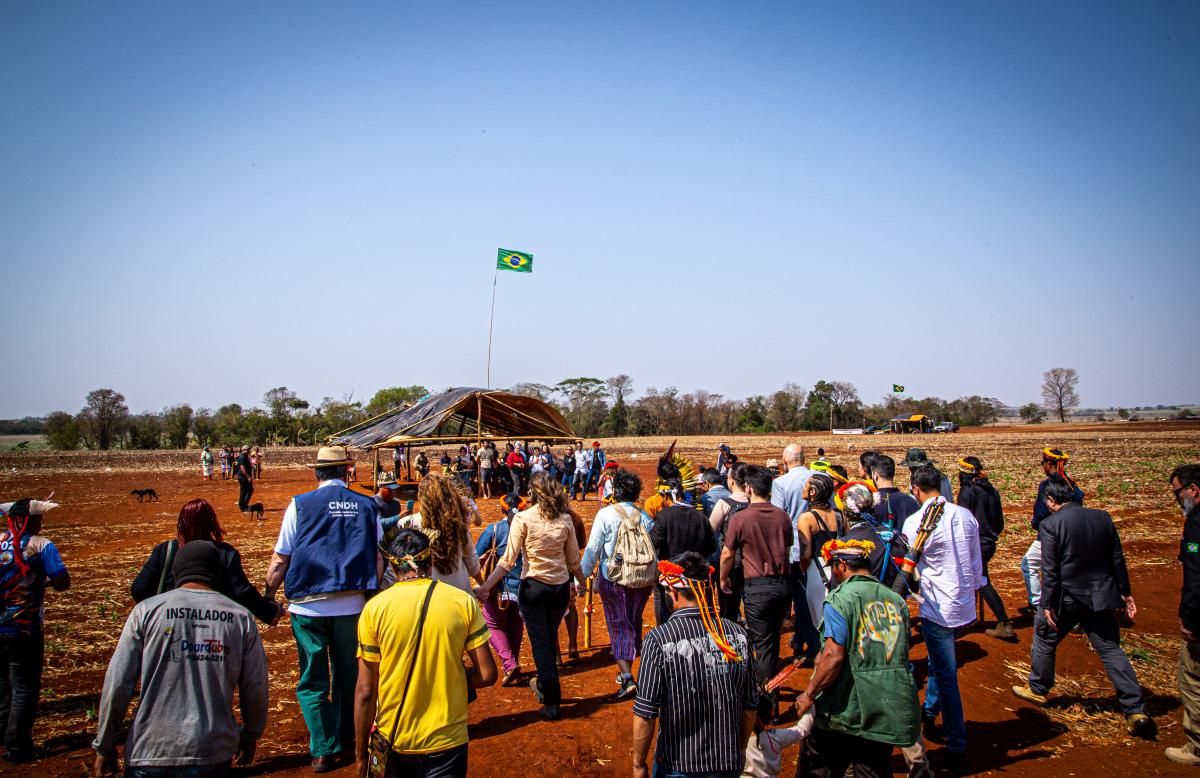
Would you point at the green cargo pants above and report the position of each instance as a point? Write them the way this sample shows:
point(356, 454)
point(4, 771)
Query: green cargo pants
point(328, 648)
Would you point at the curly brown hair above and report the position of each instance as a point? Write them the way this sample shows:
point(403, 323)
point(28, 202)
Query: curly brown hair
point(548, 496)
point(444, 520)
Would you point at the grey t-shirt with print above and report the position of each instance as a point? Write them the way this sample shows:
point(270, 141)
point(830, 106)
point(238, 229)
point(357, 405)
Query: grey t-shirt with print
point(190, 649)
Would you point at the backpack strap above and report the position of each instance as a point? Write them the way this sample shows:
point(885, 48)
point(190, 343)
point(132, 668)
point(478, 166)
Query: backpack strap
point(172, 547)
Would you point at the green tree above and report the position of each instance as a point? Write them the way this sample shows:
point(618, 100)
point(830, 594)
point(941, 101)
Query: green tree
point(617, 423)
point(394, 397)
point(973, 411)
point(753, 417)
point(817, 408)
point(227, 425)
point(785, 410)
point(103, 419)
point(1123, 413)
point(1032, 413)
point(177, 423)
point(584, 403)
point(62, 432)
point(203, 427)
point(145, 431)
point(255, 427)
point(285, 409)
point(334, 416)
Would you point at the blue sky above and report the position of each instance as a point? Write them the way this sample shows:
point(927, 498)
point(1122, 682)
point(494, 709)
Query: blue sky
point(202, 201)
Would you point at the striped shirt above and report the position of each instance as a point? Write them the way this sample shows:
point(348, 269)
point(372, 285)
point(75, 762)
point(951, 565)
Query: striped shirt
point(697, 696)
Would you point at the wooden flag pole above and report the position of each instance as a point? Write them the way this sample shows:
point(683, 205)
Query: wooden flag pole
point(491, 322)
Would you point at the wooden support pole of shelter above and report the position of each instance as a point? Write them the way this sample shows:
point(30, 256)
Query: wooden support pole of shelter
point(587, 616)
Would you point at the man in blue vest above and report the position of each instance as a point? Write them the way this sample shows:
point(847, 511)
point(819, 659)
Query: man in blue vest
point(327, 558)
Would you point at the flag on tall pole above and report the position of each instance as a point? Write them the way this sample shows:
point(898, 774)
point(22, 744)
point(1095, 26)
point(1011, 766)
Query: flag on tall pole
point(517, 261)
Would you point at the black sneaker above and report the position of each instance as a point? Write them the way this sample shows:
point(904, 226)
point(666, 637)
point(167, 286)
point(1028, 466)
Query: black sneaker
point(931, 729)
point(952, 761)
point(551, 713)
point(628, 687)
point(1141, 725)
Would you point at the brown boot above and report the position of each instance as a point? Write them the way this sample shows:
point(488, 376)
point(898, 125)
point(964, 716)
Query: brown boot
point(1002, 630)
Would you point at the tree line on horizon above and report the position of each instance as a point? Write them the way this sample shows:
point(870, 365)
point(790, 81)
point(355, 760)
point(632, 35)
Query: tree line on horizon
point(593, 406)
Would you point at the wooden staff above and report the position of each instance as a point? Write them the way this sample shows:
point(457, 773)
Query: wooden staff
point(587, 616)
point(929, 522)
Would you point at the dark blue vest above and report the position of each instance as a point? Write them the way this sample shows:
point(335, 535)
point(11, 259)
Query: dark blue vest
point(335, 546)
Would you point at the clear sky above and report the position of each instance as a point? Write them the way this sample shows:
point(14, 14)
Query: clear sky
point(201, 201)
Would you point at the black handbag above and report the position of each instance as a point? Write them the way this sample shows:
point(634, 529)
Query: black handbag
point(380, 747)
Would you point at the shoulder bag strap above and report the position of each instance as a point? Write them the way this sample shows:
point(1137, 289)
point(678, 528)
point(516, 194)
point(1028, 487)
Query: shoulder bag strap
point(172, 546)
point(416, 653)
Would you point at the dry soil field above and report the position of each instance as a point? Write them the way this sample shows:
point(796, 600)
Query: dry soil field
point(105, 535)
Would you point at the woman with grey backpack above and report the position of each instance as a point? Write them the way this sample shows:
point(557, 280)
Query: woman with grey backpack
point(620, 546)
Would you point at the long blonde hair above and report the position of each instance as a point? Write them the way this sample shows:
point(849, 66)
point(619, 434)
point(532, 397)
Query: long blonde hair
point(548, 496)
point(444, 520)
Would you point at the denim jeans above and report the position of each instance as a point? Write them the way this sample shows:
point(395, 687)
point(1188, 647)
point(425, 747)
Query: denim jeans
point(579, 482)
point(941, 689)
point(451, 763)
point(218, 770)
point(1031, 570)
point(20, 685)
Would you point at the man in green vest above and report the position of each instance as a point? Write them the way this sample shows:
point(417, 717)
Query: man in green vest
point(864, 694)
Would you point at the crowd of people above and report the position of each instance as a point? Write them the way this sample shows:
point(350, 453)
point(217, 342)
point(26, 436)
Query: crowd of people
point(487, 472)
point(243, 465)
point(397, 615)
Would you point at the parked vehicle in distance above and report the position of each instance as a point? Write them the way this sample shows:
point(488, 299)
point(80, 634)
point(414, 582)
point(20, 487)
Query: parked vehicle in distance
point(946, 426)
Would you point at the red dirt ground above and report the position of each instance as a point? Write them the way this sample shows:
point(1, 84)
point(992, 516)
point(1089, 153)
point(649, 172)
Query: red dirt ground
point(105, 534)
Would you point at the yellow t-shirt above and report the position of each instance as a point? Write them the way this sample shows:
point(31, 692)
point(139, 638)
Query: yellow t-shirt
point(434, 716)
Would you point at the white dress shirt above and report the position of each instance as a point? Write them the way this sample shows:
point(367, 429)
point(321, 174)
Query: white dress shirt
point(951, 569)
point(785, 493)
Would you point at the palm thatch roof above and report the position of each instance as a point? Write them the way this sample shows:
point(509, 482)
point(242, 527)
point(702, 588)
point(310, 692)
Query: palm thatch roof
point(461, 415)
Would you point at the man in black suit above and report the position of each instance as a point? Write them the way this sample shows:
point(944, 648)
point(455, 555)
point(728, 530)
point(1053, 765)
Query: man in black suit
point(1084, 581)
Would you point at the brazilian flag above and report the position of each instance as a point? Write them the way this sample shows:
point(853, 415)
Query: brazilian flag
point(517, 261)
point(897, 388)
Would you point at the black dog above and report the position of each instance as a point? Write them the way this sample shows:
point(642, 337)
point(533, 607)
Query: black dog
point(256, 510)
point(146, 493)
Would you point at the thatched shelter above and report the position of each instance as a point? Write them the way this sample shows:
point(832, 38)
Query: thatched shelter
point(464, 415)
